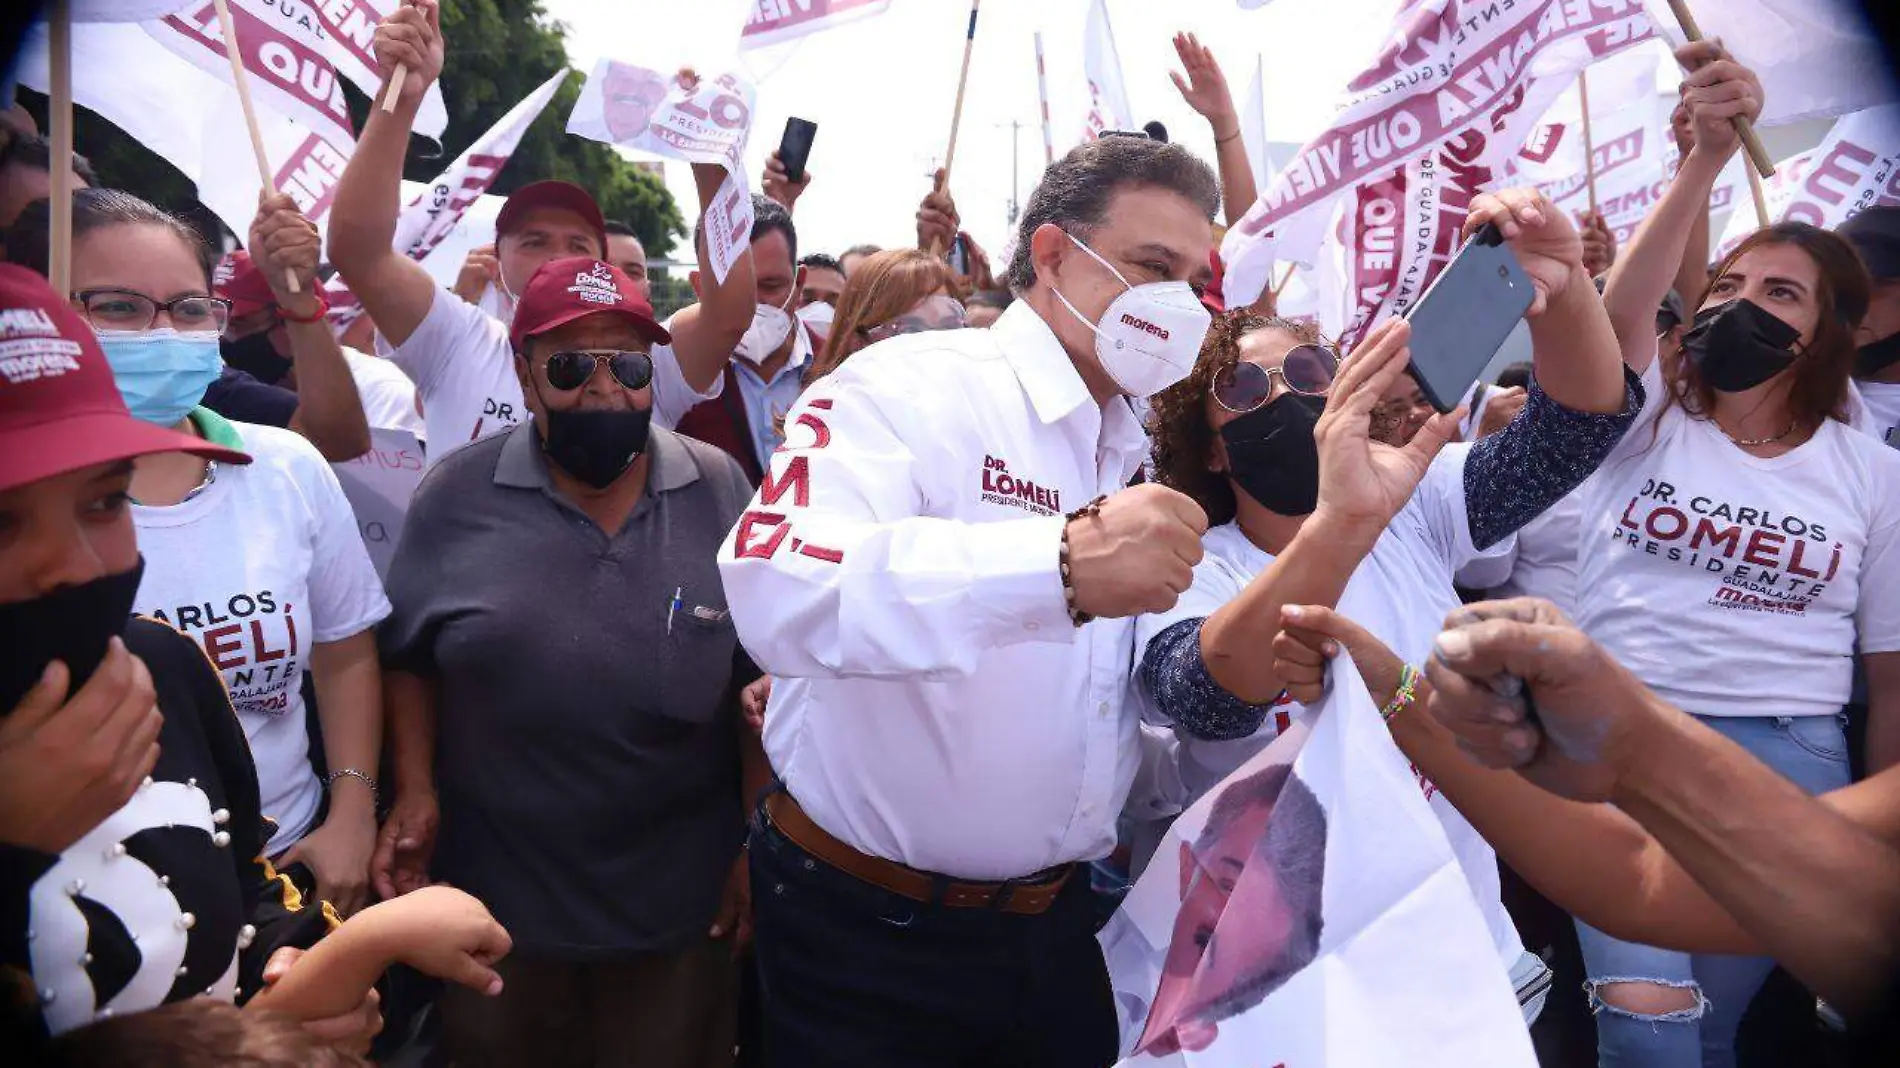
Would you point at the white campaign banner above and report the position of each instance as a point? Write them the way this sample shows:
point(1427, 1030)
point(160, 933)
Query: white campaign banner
point(1448, 69)
point(1815, 58)
point(770, 22)
point(1856, 167)
point(706, 121)
point(431, 214)
point(1309, 912)
point(379, 484)
point(1102, 66)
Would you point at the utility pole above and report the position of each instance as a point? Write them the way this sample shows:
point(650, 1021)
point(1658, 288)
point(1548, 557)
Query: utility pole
point(1015, 184)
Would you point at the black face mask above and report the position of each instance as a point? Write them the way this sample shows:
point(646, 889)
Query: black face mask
point(255, 357)
point(595, 446)
point(70, 624)
point(1877, 356)
point(1737, 346)
point(1272, 455)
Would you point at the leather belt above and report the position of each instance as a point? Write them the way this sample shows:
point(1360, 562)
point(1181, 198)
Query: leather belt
point(1031, 897)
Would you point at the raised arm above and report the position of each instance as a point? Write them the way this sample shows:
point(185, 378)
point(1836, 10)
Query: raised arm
point(329, 408)
point(1692, 273)
point(1205, 90)
point(704, 334)
point(395, 290)
point(1718, 91)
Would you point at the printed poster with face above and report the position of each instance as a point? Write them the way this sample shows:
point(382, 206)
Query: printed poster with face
point(1308, 911)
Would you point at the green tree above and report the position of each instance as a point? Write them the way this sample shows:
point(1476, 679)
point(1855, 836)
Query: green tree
point(498, 51)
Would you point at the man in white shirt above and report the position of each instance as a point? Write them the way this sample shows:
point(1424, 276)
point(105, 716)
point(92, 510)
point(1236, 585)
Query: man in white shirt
point(922, 570)
point(458, 355)
point(1875, 234)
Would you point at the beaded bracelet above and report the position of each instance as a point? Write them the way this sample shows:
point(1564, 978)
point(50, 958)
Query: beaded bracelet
point(1402, 697)
point(1076, 615)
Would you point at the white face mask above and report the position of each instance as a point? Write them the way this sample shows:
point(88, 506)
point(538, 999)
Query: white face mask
point(1151, 334)
point(817, 315)
point(771, 325)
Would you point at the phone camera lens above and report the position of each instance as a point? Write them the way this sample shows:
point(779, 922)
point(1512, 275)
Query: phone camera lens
point(1503, 272)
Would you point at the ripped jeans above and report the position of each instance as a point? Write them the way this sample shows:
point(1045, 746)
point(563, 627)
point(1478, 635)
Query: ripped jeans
point(1812, 752)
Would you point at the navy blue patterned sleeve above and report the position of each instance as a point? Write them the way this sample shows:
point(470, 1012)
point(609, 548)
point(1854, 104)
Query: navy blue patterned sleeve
point(1547, 451)
point(1183, 691)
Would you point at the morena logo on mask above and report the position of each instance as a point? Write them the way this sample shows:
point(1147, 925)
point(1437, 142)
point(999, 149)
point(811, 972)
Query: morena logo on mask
point(1144, 325)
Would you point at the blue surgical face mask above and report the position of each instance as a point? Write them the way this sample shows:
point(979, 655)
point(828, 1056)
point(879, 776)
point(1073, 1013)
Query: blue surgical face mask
point(162, 374)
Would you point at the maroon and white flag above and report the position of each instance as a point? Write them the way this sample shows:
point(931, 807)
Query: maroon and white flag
point(770, 22)
point(1856, 167)
point(1448, 69)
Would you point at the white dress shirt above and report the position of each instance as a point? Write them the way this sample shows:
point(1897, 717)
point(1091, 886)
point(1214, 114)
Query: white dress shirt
point(897, 574)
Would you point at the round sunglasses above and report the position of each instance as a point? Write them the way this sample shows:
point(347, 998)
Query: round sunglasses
point(1308, 370)
point(571, 369)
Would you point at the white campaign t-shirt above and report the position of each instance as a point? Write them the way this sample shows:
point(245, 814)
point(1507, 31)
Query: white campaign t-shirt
point(1734, 585)
point(389, 398)
point(1401, 593)
point(464, 369)
point(261, 564)
point(1879, 414)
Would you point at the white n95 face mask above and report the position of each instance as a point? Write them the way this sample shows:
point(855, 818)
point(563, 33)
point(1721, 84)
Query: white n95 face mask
point(771, 325)
point(1151, 334)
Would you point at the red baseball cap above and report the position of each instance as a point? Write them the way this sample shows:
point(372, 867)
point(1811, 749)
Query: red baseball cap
point(238, 280)
point(551, 193)
point(566, 289)
point(59, 408)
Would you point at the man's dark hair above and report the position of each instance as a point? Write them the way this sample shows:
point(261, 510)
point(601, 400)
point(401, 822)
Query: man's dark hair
point(1294, 849)
point(35, 152)
point(999, 299)
point(1515, 375)
point(769, 215)
point(616, 228)
point(821, 261)
point(28, 240)
point(1076, 190)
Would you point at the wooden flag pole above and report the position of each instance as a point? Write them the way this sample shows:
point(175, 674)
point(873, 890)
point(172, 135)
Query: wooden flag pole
point(1042, 98)
point(243, 83)
point(1751, 142)
point(1589, 142)
point(59, 48)
point(956, 113)
point(1760, 197)
point(1285, 277)
point(394, 91)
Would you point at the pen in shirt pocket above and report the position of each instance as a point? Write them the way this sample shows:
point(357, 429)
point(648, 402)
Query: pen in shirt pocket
point(673, 607)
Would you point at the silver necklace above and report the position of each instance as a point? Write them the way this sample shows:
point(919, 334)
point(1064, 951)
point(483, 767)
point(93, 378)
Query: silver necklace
point(1789, 429)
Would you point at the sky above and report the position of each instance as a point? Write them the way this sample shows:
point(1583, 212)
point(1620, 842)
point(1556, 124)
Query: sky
point(882, 89)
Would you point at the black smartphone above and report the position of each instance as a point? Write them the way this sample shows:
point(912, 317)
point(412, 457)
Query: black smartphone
point(1464, 317)
point(960, 256)
point(794, 149)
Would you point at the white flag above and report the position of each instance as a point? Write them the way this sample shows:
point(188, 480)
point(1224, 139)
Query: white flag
point(707, 121)
point(1253, 126)
point(1856, 167)
point(429, 216)
point(1815, 58)
point(1337, 942)
point(770, 22)
point(1448, 69)
point(1102, 66)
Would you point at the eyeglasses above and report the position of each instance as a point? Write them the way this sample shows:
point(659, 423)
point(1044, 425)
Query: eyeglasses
point(572, 369)
point(1308, 370)
point(932, 313)
point(122, 309)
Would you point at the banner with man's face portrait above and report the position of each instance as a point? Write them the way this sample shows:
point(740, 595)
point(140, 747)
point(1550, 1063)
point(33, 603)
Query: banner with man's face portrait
point(1309, 911)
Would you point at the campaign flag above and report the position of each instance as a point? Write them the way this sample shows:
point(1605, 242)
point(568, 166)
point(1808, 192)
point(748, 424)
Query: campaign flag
point(1253, 125)
point(769, 22)
point(1448, 69)
point(430, 215)
point(1309, 910)
point(1856, 167)
point(379, 484)
point(1815, 58)
point(703, 121)
point(1102, 66)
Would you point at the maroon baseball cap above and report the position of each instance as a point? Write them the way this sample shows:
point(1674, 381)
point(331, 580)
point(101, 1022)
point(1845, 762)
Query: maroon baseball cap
point(551, 193)
point(59, 408)
point(566, 289)
point(238, 280)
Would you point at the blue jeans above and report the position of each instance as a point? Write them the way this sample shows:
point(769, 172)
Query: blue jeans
point(1811, 751)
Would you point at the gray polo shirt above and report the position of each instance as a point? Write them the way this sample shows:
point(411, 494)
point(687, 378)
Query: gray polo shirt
point(586, 753)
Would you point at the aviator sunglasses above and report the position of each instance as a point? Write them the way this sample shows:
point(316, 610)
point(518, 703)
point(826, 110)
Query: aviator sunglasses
point(1308, 370)
point(571, 369)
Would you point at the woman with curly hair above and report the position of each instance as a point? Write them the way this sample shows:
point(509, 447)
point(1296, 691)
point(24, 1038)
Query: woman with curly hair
point(1307, 504)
